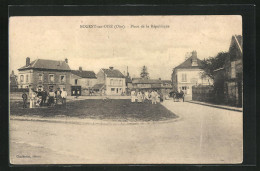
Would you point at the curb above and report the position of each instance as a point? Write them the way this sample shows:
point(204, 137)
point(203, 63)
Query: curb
point(216, 106)
point(90, 122)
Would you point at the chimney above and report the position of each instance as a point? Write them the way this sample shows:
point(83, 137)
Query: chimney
point(80, 68)
point(111, 68)
point(194, 54)
point(27, 61)
point(66, 60)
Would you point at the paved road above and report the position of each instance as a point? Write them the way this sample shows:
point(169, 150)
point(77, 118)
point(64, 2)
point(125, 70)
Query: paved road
point(202, 135)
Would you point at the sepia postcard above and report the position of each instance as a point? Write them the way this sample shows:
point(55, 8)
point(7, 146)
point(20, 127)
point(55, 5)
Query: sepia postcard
point(164, 89)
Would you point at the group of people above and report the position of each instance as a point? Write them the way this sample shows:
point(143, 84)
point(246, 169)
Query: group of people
point(42, 98)
point(145, 96)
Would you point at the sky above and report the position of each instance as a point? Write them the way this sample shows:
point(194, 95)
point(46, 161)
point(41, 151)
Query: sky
point(160, 49)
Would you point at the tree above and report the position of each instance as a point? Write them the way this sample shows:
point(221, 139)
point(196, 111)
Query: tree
point(213, 63)
point(144, 72)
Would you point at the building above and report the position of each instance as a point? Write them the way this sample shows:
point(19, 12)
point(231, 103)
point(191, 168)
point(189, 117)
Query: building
point(233, 87)
point(13, 81)
point(44, 74)
point(188, 74)
point(145, 84)
point(110, 82)
point(82, 81)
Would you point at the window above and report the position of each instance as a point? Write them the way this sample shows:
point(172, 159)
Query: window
point(194, 62)
point(120, 82)
point(87, 82)
point(21, 78)
point(51, 77)
point(184, 77)
point(233, 69)
point(111, 82)
point(27, 78)
point(62, 78)
point(76, 81)
point(112, 89)
point(40, 77)
point(115, 82)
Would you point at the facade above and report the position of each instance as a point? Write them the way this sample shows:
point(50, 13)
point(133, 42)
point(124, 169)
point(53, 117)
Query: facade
point(44, 74)
point(83, 81)
point(145, 84)
point(110, 82)
point(233, 68)
point(188, 74)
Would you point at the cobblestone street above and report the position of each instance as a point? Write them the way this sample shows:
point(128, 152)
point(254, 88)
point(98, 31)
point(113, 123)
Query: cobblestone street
point(201, 134)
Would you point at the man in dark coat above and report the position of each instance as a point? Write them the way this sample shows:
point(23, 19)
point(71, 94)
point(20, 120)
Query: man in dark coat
point(44, 96)
point(25, 97)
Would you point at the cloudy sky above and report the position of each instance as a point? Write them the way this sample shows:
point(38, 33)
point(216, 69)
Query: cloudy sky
point(159, 49)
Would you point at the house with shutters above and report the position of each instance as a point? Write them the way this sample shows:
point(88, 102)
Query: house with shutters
point(188, 74)
point(110, 82)
point(82, 82)
point(229, 78)
point(44, 74)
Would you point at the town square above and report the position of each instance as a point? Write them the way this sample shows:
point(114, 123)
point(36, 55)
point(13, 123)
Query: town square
point(139, 97)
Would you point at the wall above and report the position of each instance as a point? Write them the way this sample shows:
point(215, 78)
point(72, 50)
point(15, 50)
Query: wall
point(100, 77)
point(203, 93)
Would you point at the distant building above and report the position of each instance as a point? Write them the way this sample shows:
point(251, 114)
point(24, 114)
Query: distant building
point(44, 74)
point(83, 81)
point(144, 84)
point(13, 81)
point(110, 82)
point(188, 74)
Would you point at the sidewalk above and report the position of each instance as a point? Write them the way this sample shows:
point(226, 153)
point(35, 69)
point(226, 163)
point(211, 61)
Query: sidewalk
point(237, 109)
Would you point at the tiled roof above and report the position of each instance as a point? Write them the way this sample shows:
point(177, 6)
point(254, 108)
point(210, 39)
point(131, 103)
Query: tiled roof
point(114, 73)
point(187, 63)
point(84, 74)
point(98, 86)
point(145, 81)
point(47, 64)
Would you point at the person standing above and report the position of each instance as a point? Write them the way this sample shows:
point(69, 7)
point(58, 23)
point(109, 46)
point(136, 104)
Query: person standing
point(139, 97)
point(44, 96)
point(182, 95)
point(64, 95)
point(51, 98)
point(153, 96)
point(24, 96)
point(132, 96)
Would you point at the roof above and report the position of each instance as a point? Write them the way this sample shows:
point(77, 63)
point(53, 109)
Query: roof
point(84, 74)
point(98, 86)
point(145, 81)
point(114, 73)
point(167, 81)
point(238, 41)
point(47, 64)
point(187, 63)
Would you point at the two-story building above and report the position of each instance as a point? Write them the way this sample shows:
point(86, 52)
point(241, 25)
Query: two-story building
point(83, 81)
point(110, 81)
point(44, 74)
point(188, 74)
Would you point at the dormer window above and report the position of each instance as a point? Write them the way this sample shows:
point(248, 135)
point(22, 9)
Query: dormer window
point(194, 62)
